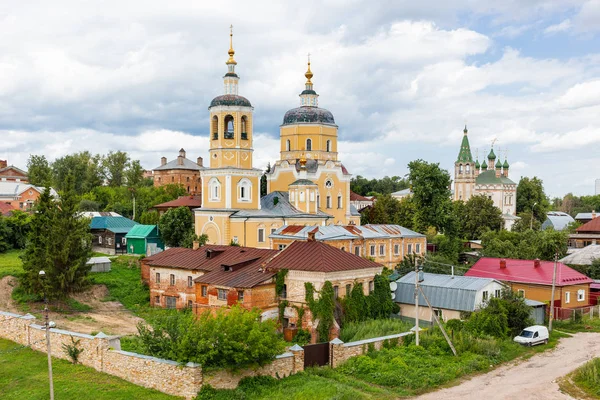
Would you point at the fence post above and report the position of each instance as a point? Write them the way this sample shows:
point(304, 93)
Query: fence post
point(298, 353)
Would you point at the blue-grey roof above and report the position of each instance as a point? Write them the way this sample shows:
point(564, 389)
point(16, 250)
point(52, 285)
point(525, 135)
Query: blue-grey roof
point(308, 115)
point(283, 208)
point(584, 216)
point(338, 232)
point(534, 303)
point(403, 192)
point(443, 291)
point(187, 164)
point(557, 220)
point(230, 100)
point(113, 224)
point(584, 256)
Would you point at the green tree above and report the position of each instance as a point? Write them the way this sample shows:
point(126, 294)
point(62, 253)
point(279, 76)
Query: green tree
point(431, 196)
point(385, 185)
point(89, 205)
point(263, 181)
point(480, 215)
point(525, 245)
point(232, 338)
point(59, 243)
point(149, 217)
point(85, 168)
point(379, 301)
point(356, 307)
point(115, 164)
point(594, 269)
point(531, 197)
point(5, 235)
point(19, 224)
point(134, 174)
point(175, 225)
point(39, 171)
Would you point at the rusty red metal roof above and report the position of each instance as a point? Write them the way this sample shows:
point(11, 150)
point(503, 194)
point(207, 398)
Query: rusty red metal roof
point(292, 229)
point(525, 271)
point(182, 201)
point(318, 257)
point(590, 227)
point(358, 197)
point(6, 209)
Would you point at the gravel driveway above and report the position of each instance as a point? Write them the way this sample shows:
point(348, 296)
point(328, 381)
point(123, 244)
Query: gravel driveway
point(531, 379)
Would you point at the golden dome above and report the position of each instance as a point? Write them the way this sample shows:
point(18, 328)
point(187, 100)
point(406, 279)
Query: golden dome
point(308, 73)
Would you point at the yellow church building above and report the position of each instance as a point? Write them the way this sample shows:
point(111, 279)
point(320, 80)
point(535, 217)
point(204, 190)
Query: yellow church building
point(307, 186)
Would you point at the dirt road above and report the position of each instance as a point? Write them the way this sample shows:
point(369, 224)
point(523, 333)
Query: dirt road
point(531, 379)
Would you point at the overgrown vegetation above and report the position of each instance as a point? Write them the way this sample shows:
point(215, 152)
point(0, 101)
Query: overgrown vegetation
point(233, 338)
point(587, 377)
point(322, 308)
point(73, 350)
point(527, 245)
point(353, 331)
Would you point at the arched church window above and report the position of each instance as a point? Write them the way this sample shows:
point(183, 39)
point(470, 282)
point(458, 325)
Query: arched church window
point(215, 128)
point(308, 144)
point(328, 183)
point(287, 145)
point(214, 189)
point(244, 190)
point(468, 168)
point(229, 127)
point(460, 169)
point(328, 147)
point(244, 128)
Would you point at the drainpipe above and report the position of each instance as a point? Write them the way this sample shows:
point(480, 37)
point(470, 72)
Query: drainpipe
point(245, 231)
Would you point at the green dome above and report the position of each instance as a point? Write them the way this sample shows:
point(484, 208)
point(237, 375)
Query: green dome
point(477, 165)
point(498, 164)
point(491, 156)
point(484, 165)
point(505, 165)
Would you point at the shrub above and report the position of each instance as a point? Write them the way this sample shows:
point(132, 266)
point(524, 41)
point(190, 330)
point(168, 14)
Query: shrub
point(372, 328)
point(588, 377)
point(72, 350)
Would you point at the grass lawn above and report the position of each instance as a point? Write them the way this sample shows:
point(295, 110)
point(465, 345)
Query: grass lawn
point(585, 324)
point(10, 263)
point(390, 373)
point(24, 375)
point(584, 382)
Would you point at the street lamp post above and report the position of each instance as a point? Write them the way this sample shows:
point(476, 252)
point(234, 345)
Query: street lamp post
point(531, 219)
point(47, 325)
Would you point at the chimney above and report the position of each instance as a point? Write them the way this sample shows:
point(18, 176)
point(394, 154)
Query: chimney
point(180, 159)
point(199, 161)
point(163, 161)
point(195, 245)
point(593, 214)
point(3, 163)
point(536, 263)
point(182, 152)
point(503, 263)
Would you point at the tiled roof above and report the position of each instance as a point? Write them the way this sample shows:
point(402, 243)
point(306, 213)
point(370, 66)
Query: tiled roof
point(113, 224)
point(318, 257)
point(141, 231)
point(488, 177)
point(524, 271)
point(187, 164)
point(593, 226)
point(182, 201)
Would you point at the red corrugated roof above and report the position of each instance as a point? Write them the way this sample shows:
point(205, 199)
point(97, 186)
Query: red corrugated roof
point(291, 229)
point(593, 226)
point(524, 271)
point(319, 257)
point(198, 260)
point(183, 201)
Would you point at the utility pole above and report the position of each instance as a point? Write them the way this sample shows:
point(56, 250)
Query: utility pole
point(416, 302)
point(551, 317)
point(437, 320)
point(42, 275)
point(531, 220)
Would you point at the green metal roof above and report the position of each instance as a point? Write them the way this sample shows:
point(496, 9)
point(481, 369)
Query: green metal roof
point(491, 156)
point(464, 155)
point(141, 232)
point(477, 165)
point(505, 165)
point(489, 178)
point(113, 224)
point(303, 182)
point(498, 164)
point(484, 165)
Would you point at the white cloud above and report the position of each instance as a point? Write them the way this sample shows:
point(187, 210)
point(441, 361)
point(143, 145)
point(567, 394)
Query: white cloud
point(564, 26)
point(581, 95)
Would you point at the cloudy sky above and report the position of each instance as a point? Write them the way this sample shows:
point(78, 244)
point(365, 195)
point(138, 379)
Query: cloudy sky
point(401, 78)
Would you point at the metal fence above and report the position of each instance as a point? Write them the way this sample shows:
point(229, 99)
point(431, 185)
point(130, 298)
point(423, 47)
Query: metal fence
point(576, 313)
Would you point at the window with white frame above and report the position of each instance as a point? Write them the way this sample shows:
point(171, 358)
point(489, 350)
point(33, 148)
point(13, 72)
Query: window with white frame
point(287, 145)
point(521, 292)
point(328, 146)
point(308, 145)
point(157, 279)
point(497, 293)
point(484, 295)
point(396, 249)
point(567, 297)
point(99, 239)
point(372, 250)
point(261, 235)
point(190, 281)
point(409, 248)
point(418, 248)
point(214, 190)
point(172, 280)
point(235, 239)
point(357, 251)
point(204, 291)
point(580, 295)
point(241, 296)
point(281, 247)
point(339, 201)
point(245, 190)
point(301, 196)
point(328, 201)
point(222, 294)
point(382, 249)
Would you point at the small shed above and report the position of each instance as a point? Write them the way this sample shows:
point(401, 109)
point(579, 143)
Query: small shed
point(538, 311)
point(144, 240)
point(99, 264)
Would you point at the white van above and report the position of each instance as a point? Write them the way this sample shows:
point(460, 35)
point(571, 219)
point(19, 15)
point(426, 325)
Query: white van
point(533, 335)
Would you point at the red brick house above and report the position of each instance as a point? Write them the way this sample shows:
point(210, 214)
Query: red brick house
point(586, 234)
point(215, 276)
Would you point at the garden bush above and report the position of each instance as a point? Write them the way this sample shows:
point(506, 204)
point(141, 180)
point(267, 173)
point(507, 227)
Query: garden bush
point(372, 328)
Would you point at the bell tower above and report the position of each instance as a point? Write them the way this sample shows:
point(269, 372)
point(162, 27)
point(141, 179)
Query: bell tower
point(231, 122)
point(464, 171)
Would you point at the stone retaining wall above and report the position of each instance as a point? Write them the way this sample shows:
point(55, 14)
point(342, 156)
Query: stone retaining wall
point(341, 351)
